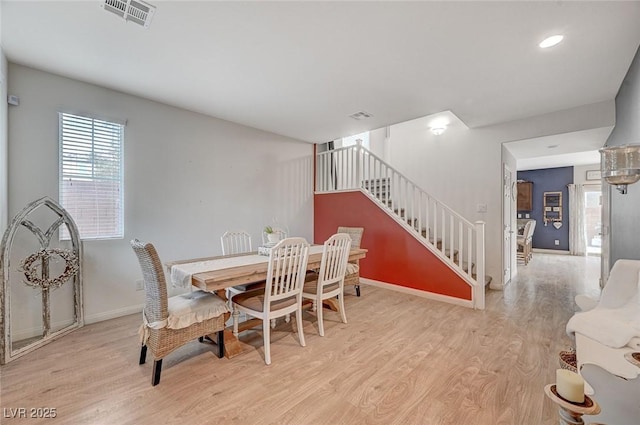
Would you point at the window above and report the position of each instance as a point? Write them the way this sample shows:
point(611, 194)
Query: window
point(91, 175)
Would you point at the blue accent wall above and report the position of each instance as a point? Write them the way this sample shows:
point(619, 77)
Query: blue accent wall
point(548, 180)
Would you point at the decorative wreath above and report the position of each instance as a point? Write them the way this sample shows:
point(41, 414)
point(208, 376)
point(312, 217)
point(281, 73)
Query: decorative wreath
point(33, 275)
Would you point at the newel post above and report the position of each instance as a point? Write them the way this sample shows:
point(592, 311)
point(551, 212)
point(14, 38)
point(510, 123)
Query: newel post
point(315, 167)
point(478, 289)
point(359, 154)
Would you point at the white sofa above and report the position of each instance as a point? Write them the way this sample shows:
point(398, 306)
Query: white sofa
point(605, 330)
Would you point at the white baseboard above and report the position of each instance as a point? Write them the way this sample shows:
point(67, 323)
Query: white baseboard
point(551, 251)
point(498, 286)
point(417, 292)
point(101, 317)
point(21, 334)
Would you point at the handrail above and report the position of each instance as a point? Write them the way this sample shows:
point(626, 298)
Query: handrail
point(456, 240)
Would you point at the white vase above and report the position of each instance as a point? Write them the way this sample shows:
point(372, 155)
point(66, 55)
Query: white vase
point(273, 237)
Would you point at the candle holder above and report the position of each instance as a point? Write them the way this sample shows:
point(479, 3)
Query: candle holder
point(633, 358)
point(571, 413)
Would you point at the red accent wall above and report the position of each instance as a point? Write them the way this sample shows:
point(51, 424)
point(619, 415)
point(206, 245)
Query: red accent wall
point(394, 256)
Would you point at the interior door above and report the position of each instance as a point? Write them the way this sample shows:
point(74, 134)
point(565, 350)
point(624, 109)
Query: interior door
point(606, 234)
point(508, 196)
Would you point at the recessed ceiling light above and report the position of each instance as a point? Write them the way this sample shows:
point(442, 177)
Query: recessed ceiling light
point(552, 146)
point(551, 41)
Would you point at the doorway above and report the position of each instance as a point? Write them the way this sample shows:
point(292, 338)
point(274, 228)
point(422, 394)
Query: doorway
point(593, 219)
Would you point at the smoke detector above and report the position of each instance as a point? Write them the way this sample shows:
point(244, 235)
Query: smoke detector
point(135, 11)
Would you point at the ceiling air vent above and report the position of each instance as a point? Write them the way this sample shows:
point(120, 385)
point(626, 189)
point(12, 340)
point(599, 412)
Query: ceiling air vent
point(131, 10)
point(360, 115)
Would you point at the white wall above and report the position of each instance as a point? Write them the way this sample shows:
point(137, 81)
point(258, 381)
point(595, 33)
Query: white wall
point(378, 142)
point(3, 134)
point(3, 142)
point(624, 230)
point(463, 167)
point(580, 174)
point(188, 178)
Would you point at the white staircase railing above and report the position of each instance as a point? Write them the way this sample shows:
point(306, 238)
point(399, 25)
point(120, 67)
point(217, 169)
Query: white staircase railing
point(456, 241)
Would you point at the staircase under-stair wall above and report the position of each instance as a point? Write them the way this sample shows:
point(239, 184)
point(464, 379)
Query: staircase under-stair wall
point(416, 243)
point(394, 255)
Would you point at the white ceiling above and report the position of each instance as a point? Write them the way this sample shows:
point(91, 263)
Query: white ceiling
point(560, 150)
point(300, 68)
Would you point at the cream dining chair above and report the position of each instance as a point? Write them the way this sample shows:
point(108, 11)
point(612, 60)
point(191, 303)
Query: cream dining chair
point(238, 242)
point(169, 323)
point(353, 268)
point(235, 242)
point(328, 282)
point(282, 294)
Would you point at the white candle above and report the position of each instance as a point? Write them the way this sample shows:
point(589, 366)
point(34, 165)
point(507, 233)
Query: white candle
point(570, 386)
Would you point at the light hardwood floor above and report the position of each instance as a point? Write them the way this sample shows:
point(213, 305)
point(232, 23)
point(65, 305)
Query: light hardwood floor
point(399, 360)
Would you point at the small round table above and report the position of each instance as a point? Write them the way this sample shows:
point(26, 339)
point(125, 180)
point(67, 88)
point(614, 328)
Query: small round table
point(571, 413)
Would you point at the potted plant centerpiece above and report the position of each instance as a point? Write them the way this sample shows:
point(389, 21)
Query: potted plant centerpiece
point(272, 236)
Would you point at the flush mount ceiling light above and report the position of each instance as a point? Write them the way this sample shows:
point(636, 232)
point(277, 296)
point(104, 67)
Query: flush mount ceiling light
point(439, 125)
point(136, 11)
point(551, 41)
point(438, 130)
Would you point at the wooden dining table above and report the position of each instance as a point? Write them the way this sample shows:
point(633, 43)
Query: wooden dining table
point(216, 274)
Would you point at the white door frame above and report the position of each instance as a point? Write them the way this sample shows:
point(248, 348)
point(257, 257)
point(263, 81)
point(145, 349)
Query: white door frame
point(509, 195)
point(606, 233)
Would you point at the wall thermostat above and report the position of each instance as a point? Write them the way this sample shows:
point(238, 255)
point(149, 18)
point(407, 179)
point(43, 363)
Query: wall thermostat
point(13, 100)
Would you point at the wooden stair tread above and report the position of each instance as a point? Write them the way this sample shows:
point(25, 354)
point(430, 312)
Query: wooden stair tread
point(465, 264)
point(487, 278)
point(400, 212)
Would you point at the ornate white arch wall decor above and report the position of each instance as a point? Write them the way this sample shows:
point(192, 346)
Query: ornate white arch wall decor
point(35, 269)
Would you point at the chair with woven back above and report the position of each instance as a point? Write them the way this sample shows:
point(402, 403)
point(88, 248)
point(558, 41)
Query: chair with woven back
point(352, 276)
point(328, 282)
point(525, 250)
point(171, 322)
point(282, 294)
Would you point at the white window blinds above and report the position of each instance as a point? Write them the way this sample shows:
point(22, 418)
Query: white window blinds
point(91, 175)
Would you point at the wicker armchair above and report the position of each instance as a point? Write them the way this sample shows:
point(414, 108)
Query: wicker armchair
point(329, 281)
point(525, 251)
point(169, 323)
point(352, 276)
